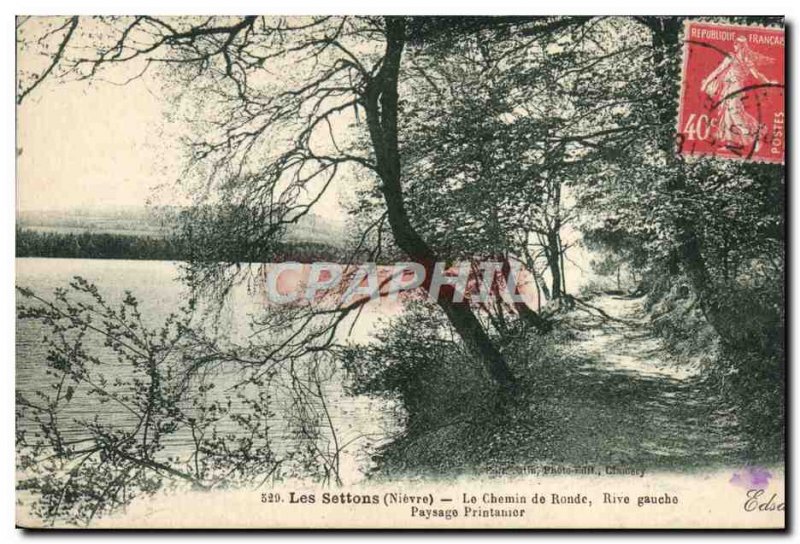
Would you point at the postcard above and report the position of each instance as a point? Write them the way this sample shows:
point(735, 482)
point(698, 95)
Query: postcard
point(400, 272)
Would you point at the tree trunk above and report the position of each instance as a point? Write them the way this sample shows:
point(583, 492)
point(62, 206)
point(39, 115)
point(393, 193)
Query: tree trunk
point(380, 104)
point(666, 32)
point(561, 252)
point(554, 262)
point(538, 290)
point(477, 341)
point(541, 284)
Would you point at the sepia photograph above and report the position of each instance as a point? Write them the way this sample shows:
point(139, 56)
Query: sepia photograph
point(400, 272)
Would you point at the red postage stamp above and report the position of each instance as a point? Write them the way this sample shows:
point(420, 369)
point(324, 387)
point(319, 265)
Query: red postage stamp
point(732, 92)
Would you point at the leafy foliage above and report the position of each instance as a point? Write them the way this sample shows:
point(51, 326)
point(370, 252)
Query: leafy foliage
point(147, 386)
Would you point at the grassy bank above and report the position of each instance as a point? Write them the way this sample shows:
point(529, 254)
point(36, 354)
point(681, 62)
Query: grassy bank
point(598, 391)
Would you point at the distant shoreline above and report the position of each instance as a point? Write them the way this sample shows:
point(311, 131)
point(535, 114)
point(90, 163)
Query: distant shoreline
point(74, 244)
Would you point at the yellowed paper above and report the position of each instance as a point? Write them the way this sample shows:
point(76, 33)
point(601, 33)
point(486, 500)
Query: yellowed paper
point(400, 272)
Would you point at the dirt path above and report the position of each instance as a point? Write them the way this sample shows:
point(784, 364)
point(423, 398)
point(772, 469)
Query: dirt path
point(615, 334)
point(630, 401)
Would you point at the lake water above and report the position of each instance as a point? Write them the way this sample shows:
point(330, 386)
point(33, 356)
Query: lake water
point(363, 421)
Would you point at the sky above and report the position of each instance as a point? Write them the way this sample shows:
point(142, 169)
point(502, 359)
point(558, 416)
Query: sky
point(99, 145)
point(90, 145)
point(96, 144)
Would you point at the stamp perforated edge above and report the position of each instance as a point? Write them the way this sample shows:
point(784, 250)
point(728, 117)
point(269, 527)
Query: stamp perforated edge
point(694, 157)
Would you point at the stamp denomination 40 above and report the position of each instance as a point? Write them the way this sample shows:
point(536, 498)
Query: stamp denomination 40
point(732, 92)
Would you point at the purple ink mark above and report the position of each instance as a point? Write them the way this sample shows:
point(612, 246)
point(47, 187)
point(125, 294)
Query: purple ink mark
point(751, 478)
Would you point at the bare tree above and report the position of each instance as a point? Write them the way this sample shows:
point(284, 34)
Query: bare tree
point(266, 141)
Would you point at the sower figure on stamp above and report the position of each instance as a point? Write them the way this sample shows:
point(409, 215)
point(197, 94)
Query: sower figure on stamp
point(735, 127)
